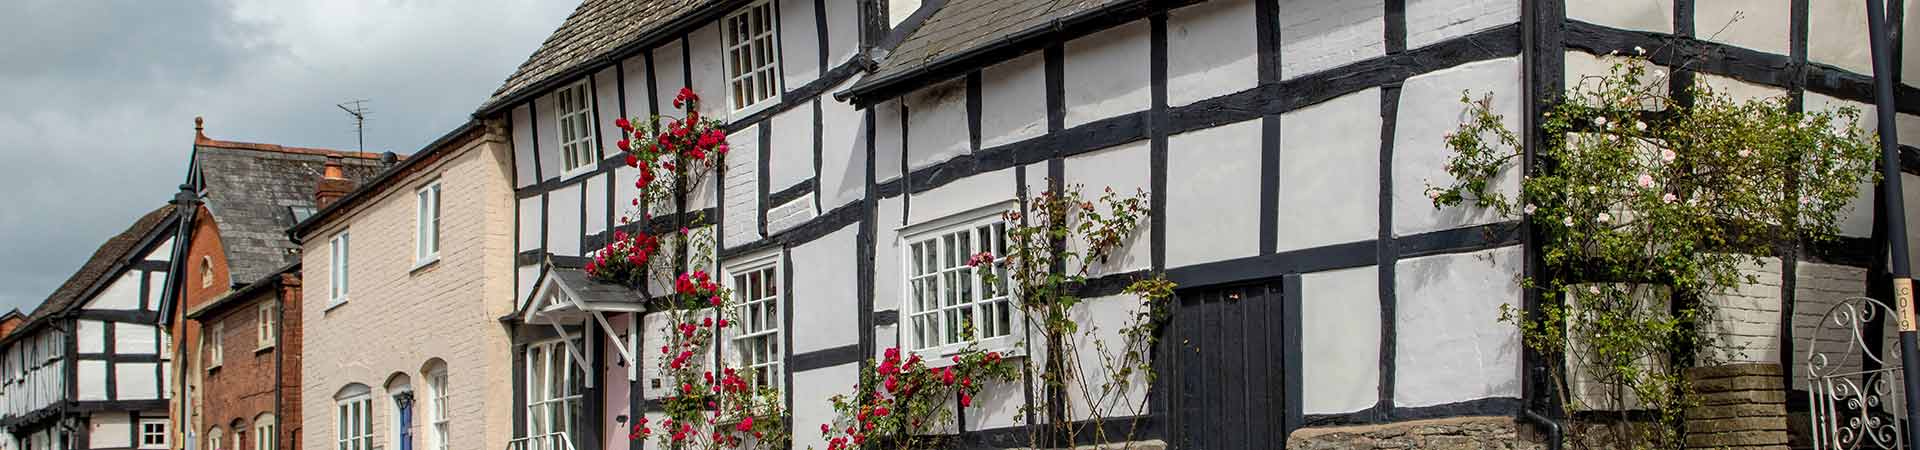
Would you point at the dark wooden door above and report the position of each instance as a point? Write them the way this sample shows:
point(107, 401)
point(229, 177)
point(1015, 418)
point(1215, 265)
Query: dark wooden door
point(1230, 364)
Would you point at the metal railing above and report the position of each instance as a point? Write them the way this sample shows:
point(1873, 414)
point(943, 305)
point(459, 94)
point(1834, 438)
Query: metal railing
point(549, 441)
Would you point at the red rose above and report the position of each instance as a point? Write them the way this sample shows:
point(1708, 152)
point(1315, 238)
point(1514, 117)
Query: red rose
point(966, 400)
point(623, 123)
point(624, 145)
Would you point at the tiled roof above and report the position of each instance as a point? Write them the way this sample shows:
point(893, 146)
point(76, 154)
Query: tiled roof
point(250, 190)
point(595, 29)
point(963, 25)
point(116, 249)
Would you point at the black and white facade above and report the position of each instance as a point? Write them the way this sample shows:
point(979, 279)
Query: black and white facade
point(88, 370)
point(1287, 146)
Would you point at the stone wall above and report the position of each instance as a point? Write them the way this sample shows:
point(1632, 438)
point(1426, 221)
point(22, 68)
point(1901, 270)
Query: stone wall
point(1742, 406)
point(1459, 433)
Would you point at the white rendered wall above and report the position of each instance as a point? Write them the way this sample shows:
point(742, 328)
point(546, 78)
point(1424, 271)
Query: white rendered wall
point(810, 408)
point(522, 119)
point(1328, 154)
point(1431, 21)
point(1213, 194)
point(1430, 108)
point(799, 44)
point(563, 220)
point(635, 71)
point(962, 195)
point(136, 381)
point(123, 294)
point(1638, 15)
point(1106, 74)
point(109, 429)
point(1211, 51)
point(1340, 340)
point(547, 124)
point(669, 75)
point(828, 290)
point(135, 339)
point(596, 204)
point(1755, 24)
point(1013, 100)
point(90, 380)
point(1449, 343)
point(91, 336)
point(1317, 35)
point(1837, 35)
point(790, 158)
point(887, 141)
point(936, 123)
point(606, 95)
point(843, 153)
point(709, 78)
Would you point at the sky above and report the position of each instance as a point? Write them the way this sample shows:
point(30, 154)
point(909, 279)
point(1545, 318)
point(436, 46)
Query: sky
point(97, 98)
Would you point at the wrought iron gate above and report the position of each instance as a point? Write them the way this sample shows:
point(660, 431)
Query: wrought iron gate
point(1853, 379)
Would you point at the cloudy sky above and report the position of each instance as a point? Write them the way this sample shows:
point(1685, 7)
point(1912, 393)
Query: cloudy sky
point(97, 98)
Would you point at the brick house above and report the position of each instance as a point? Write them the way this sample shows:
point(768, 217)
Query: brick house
point(402, 345)
point(252, 382)
point(235, 206)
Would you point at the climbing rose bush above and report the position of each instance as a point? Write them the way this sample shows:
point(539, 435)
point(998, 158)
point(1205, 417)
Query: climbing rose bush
point(1649, 204)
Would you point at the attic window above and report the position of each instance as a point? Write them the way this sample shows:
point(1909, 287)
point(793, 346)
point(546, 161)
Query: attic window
point(300, 213)
point(752, 59)
point(576, 127)
point(206, 271)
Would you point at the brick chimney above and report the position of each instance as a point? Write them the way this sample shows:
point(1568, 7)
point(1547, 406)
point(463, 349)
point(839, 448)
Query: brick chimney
point(333, 184)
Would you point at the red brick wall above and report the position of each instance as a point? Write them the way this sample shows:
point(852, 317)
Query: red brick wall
point(242, 387)
point(204, 245)
point(290, 327)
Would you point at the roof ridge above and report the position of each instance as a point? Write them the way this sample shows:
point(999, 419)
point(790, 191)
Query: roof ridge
point(200, 139)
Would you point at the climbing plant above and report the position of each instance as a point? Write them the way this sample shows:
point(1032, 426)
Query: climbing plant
point(712, 404)
point(1648, 203)
point(1054, 249)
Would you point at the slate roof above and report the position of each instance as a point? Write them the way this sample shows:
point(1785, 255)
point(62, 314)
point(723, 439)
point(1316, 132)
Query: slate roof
point(962, 25)
point(596, 28)
point(249, 189)
point(116, 249)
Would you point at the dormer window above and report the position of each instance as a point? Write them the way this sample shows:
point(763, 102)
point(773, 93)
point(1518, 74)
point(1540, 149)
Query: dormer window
point(576, 127)
point(753, 58)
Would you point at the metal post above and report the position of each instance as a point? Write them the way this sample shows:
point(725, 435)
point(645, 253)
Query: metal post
point(1896, 218)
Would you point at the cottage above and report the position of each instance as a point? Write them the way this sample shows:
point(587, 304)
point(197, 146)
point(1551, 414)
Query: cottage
point(1284, 149)
point(88, 368)
point(402, 348)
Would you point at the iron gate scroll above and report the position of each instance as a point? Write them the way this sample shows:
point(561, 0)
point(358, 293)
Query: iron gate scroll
point(1853, 392)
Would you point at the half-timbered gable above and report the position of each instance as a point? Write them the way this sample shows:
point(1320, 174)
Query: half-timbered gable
point(88, 368)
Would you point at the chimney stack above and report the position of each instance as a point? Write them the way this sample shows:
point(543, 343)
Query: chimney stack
point(333, 184)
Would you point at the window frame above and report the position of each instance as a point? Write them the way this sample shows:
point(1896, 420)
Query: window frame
point(437, 412)
point(215, 335)
point(777, 363)
point(357, 408)
point(339, 255)
point(578, 155)
point(145, 434)
point(266, 324)
point(426, 237)
point(931, 231)
point(727, 47)
point(214, 436)
point(266, 434)
point(538, 384)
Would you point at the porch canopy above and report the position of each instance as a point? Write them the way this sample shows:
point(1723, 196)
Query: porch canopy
point(566, 296)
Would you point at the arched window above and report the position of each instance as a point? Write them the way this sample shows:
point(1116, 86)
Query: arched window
point(265, 433)
point(400, 405)
point(353, 417)
point(437, 417)
point(206, 271)
point(213, 439)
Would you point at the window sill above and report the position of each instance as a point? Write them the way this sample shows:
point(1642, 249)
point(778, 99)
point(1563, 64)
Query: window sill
point(939, 357)
point(422, 264)
point(584, 169)
point(263, 348)
point(334, 304)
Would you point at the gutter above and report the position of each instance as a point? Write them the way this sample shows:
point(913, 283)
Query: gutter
point(868, 91)
point(683, 24)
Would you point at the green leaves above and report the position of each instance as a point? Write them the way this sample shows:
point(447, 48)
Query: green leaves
point(1650, 203)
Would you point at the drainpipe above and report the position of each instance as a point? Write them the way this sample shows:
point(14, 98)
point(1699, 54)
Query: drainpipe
point(1540, 394)
point(1895, 206)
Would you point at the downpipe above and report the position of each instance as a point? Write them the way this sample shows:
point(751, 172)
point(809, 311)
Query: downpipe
point(1555, 432)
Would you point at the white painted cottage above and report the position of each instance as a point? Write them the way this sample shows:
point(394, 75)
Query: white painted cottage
point(1286, 145)
point(88, 369)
